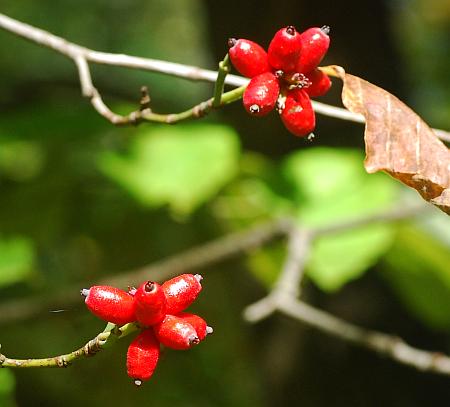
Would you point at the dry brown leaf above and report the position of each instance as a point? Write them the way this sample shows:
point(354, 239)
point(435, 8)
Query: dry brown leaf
point(397, 140)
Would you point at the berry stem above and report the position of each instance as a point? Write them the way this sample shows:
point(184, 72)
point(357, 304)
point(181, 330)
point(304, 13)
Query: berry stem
point(224, 69)
point(103, 340)
point(196, 112)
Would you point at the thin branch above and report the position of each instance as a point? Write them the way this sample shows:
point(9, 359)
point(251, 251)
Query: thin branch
point(193, 259)
point(283, 298)
point(300, 239)
point(72, 51)
point(101, 341)
point(386, 345)
point(398, 212)
point(224, 69)
point(442, 134)
point(144, 113)
point(299, 246)
point(288, 283)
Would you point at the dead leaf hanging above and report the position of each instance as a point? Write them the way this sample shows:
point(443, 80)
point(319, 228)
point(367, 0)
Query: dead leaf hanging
point(397, 140)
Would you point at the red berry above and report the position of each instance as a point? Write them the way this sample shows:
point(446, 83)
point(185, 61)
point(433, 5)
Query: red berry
point(150, 303)
point(110, 304)
point(315, 43)
point(248, 57)
point(198, 323)
point(298, 114)
point(284, 49)
point(176, 333)
point(320, 83)
point(142, 356)
point(261, 94)
point(181, 291)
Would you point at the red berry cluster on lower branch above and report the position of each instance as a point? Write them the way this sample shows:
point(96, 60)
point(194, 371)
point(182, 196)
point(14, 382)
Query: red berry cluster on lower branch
point(159, 311)
point(286, 76)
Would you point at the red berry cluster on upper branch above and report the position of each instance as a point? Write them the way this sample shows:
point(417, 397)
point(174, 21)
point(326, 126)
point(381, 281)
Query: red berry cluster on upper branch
point(159, 311)
point(286, 76)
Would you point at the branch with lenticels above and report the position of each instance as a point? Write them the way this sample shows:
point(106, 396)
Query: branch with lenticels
point(82, 56)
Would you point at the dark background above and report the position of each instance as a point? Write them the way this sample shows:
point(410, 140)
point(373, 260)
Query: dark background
point(84, 227)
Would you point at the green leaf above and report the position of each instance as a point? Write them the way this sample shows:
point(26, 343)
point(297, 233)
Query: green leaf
point(418, 270)
point(16, 260)
point(181, 166)
point(329, 186)
point(7, 385)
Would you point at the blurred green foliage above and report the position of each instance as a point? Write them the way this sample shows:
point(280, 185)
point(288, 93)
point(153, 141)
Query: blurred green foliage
point(7, 384)
point(418, 270)
point(331, 186)
point(181, 166)
point(16, 260)
point(322, 186)
point(81, 200)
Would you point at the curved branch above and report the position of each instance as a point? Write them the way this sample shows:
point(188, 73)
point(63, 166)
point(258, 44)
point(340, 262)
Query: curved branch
point(74, 51)
point(284, 298)
point(387, 345)
point(101, 341)
point(195, 258)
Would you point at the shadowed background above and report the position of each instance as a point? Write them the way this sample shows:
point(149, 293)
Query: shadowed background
point(81, 200)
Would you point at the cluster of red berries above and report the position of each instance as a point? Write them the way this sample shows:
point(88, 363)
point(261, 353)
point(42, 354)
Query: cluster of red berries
point(158, 310)
point(286, 76)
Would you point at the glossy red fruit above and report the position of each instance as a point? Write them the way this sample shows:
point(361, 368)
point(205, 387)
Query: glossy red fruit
point(110, 304)
point(298, 114)
point(261, 94)
point(175, 333)
point(198, 323)
point(150, 303)
point(315, 43)
point(181, 291)
point(320, 83)
point(249, 58)
point(285, 49)
point(142, 356)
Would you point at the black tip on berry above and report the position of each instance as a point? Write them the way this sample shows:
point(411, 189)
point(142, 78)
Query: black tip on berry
point(149, 287)
point(254, 109)
point(84, 292)
point(310, 137)
point(279, 73)
point(194, 340)
point(198, 277)
point(138, 382)
point(209, 330)
point(290, 29)
point(325, 29)
point(232, 42)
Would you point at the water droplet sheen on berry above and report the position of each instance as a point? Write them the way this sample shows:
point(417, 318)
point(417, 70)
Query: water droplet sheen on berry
point(285, 49)
point(248, 57)
point(261, 94)
point(298, 115)
point(315, 43)
point(175, 333)
point(142, 356)
point(110, 304)
point(181, 291)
